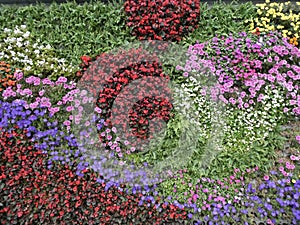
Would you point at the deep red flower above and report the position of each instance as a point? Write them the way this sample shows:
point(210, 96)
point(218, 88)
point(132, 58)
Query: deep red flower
point(150, 20)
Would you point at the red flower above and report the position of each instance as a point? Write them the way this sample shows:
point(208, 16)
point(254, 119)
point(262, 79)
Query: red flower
point(150, 20)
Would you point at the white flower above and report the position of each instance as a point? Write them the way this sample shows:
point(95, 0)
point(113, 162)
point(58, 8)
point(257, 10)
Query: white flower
point(6, 30)
point(17, 31)
point(26, 35)
point(19, 44)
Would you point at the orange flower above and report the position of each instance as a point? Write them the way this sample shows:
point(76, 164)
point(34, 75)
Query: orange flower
point(6, 76)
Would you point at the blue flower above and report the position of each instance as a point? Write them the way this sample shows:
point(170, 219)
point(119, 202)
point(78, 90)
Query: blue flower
point(268, 206)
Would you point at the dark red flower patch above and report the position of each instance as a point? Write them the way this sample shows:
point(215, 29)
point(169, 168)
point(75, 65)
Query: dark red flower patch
point(164, 20)
point(117, 75)
point(32, 194)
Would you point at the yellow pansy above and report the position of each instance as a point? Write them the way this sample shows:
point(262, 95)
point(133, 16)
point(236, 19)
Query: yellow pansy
point(293, 181)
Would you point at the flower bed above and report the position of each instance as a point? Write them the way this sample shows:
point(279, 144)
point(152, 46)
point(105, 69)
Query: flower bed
point(231, 140)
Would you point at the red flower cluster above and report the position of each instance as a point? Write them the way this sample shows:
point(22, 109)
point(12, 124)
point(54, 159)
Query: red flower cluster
point(32, 194)
point(166, 20)
point(115, 73)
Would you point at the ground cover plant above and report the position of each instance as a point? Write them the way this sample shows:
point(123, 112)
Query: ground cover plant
point(252, 52)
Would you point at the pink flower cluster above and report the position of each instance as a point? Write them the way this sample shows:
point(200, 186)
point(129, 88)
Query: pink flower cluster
point(245, 65)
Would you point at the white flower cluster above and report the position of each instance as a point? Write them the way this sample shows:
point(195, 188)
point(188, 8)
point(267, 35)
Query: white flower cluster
point(240, 127)
point(33, 58)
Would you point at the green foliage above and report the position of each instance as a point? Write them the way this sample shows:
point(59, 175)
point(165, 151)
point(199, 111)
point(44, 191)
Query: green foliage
point(220, 19)
point(72, 30)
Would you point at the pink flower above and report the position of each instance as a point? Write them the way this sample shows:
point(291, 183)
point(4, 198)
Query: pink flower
point(62, 79)
point(41, 93)
point(33, 105)
point(67, 123)
point(69, 108)
point(287, 164)
point(18, 76)
point(36, 81)
point(266, 177)
point(77, 120)
point(54, 110)
point(284, 173)
point(97, 109)
point(109, 137)
point(205, 190)
point(46, 81)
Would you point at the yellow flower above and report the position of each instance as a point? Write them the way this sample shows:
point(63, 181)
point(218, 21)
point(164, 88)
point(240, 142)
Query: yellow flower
point(280, 27)
point(271, 11)
point(267, 1)
point(259, 12)
point(261, 29)
point(293, 181)
point(271, 27)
